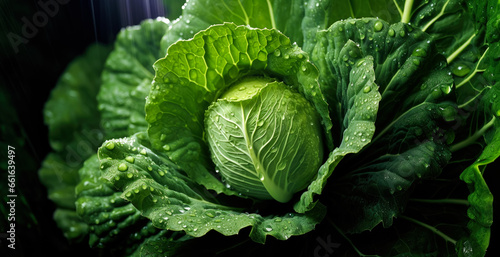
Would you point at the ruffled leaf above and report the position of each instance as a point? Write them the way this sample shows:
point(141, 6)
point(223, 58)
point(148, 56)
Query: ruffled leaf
point(171, 200)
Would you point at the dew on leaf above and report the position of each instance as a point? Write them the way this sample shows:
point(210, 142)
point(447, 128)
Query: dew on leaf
point(130, 159)
point(461, 70)
point(122, 167)
point(110, 145)
point(378, 26)
point(391, 32)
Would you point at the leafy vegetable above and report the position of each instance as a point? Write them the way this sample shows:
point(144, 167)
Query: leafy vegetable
point(264, 147)
point(351, 121)
point(203, 75)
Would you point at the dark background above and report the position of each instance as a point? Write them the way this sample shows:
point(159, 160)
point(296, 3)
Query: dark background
point(28, 75)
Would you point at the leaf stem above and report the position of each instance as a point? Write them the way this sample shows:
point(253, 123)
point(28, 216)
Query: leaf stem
point(399, 8)
point(460, 49)
point(431, 228)
point(440, 201)
point(407, 11)
point(350, 9)
point(473, 73)
point(436, 17)
point(472, 100)
point(470, 140)
point(271, 14)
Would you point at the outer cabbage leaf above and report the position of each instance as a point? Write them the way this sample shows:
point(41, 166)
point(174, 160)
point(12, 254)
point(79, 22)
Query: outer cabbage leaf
point(377, 190)
point(73, 120)
point(480, 198)
point(77, 87)
point(360, 100)
point(398, 55)
point(195, 72)
point(126, 81)
point(171, 200)
point(112, 221)
point(283, 15)
point(127, 77)
point(412, 77)
point(320, 15)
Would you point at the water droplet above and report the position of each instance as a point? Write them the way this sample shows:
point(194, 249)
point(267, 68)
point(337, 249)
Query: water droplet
point(367, 89)
point(391, 32)
point(110, 146)
point(122, 167)
point(262, 56)
point(260, 123)
point(277, 52)
point(130, 159)
point(416, 62)
point(446, 89)
point(144, 152)
point(402, 33)
point(130, 175)
point(461, 70)
point(281, 166)
point(378, 26)
point(420, 52)
point(166, 147)
point(163, 137)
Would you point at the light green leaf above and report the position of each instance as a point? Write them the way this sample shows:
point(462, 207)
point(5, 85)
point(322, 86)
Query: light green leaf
point(320, 15)
point(283, 15)
point(359, 103)
point(196, 72)
point(154, 185)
